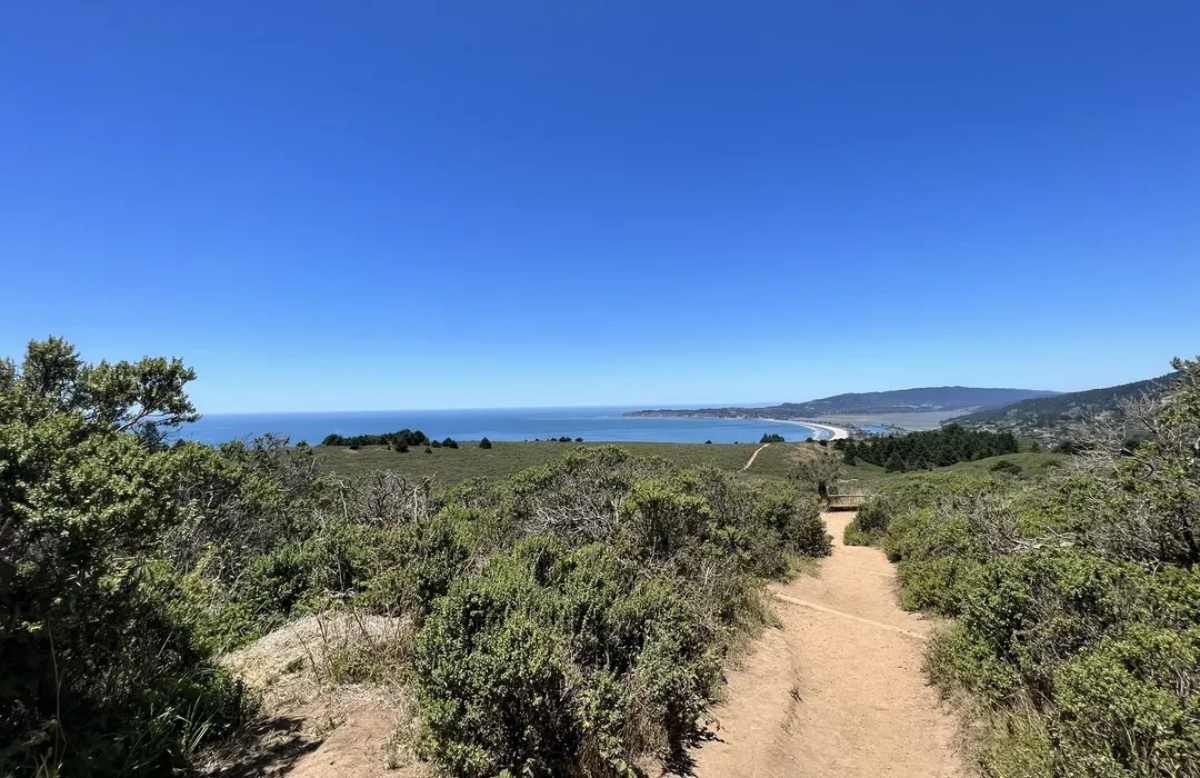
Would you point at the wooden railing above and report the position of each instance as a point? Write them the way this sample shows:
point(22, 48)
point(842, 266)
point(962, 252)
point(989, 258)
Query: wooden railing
point(846, 502)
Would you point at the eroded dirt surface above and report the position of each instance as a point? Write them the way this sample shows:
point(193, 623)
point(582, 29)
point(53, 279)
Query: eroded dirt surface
point(313, 725)
point(839, 689)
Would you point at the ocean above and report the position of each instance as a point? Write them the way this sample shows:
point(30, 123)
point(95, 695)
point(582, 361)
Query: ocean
point(511, 424)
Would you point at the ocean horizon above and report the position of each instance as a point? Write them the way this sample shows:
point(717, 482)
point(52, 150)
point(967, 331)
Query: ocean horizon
point(593, 424)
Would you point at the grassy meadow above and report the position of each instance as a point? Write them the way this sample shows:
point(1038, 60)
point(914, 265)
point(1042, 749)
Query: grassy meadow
point(866, 477)
point(450, 466)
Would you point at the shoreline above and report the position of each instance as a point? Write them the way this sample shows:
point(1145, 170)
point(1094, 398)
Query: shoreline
point(835, 433)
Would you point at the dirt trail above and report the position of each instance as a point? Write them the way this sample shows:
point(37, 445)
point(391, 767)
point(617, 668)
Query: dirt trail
point(838, 691)
point(754, 456)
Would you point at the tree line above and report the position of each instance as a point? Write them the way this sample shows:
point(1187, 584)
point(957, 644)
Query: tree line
point(925, 450)
point(405, 437)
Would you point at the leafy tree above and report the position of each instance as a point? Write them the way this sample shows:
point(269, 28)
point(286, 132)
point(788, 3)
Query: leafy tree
point(819, 472)
point(96, 678)
point(485, 443)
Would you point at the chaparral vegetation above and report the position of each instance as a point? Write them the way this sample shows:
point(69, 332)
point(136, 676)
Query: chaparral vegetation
point(1074, 594)
point(572, 619)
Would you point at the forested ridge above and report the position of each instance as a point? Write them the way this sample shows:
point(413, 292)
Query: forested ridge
point(1049, 413)
point(930, 398)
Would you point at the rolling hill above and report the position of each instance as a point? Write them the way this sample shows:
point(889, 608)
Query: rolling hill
point(1053, 416)
point(922, 399)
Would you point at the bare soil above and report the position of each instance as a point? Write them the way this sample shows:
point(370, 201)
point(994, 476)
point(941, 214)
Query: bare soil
point(839, 689)
point(754, 456)
point(315, 723)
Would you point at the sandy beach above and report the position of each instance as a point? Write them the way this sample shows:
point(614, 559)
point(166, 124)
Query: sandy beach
point(835, 433)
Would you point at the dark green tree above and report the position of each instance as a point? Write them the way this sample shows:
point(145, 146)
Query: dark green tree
point(96, 678)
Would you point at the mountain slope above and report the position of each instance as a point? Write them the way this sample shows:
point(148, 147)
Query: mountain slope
point(930, 398)
point(1046, 413)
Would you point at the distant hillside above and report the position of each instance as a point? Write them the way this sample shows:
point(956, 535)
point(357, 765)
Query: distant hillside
point(931, 398)
point(1054, 416)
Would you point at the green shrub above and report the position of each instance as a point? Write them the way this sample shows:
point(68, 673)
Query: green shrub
point(552, 662)
point(919, 490)
point(202, 605)
point(416, 564)
point(1119, 705)
point(98, 677)
point(795, 517)
point(1006, 467)
point(592, 637)
point(870, 523)
point(1077, 597)
point(661, 518)
point(275, 583)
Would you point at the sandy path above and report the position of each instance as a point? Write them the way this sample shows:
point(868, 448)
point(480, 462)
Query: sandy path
point(754, 456)
point(838, 691)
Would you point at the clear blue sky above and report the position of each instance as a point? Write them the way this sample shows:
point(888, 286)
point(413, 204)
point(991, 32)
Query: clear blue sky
point(439, 204)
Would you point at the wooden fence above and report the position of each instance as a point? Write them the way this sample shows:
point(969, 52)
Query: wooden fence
point(846, 502)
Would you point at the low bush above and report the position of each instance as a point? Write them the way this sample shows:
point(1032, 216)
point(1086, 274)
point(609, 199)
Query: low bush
point(1077, 600)
point(912, 492)
point(593, 635)
point(571, 620)
point(557, 662)
point(1006, 467)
